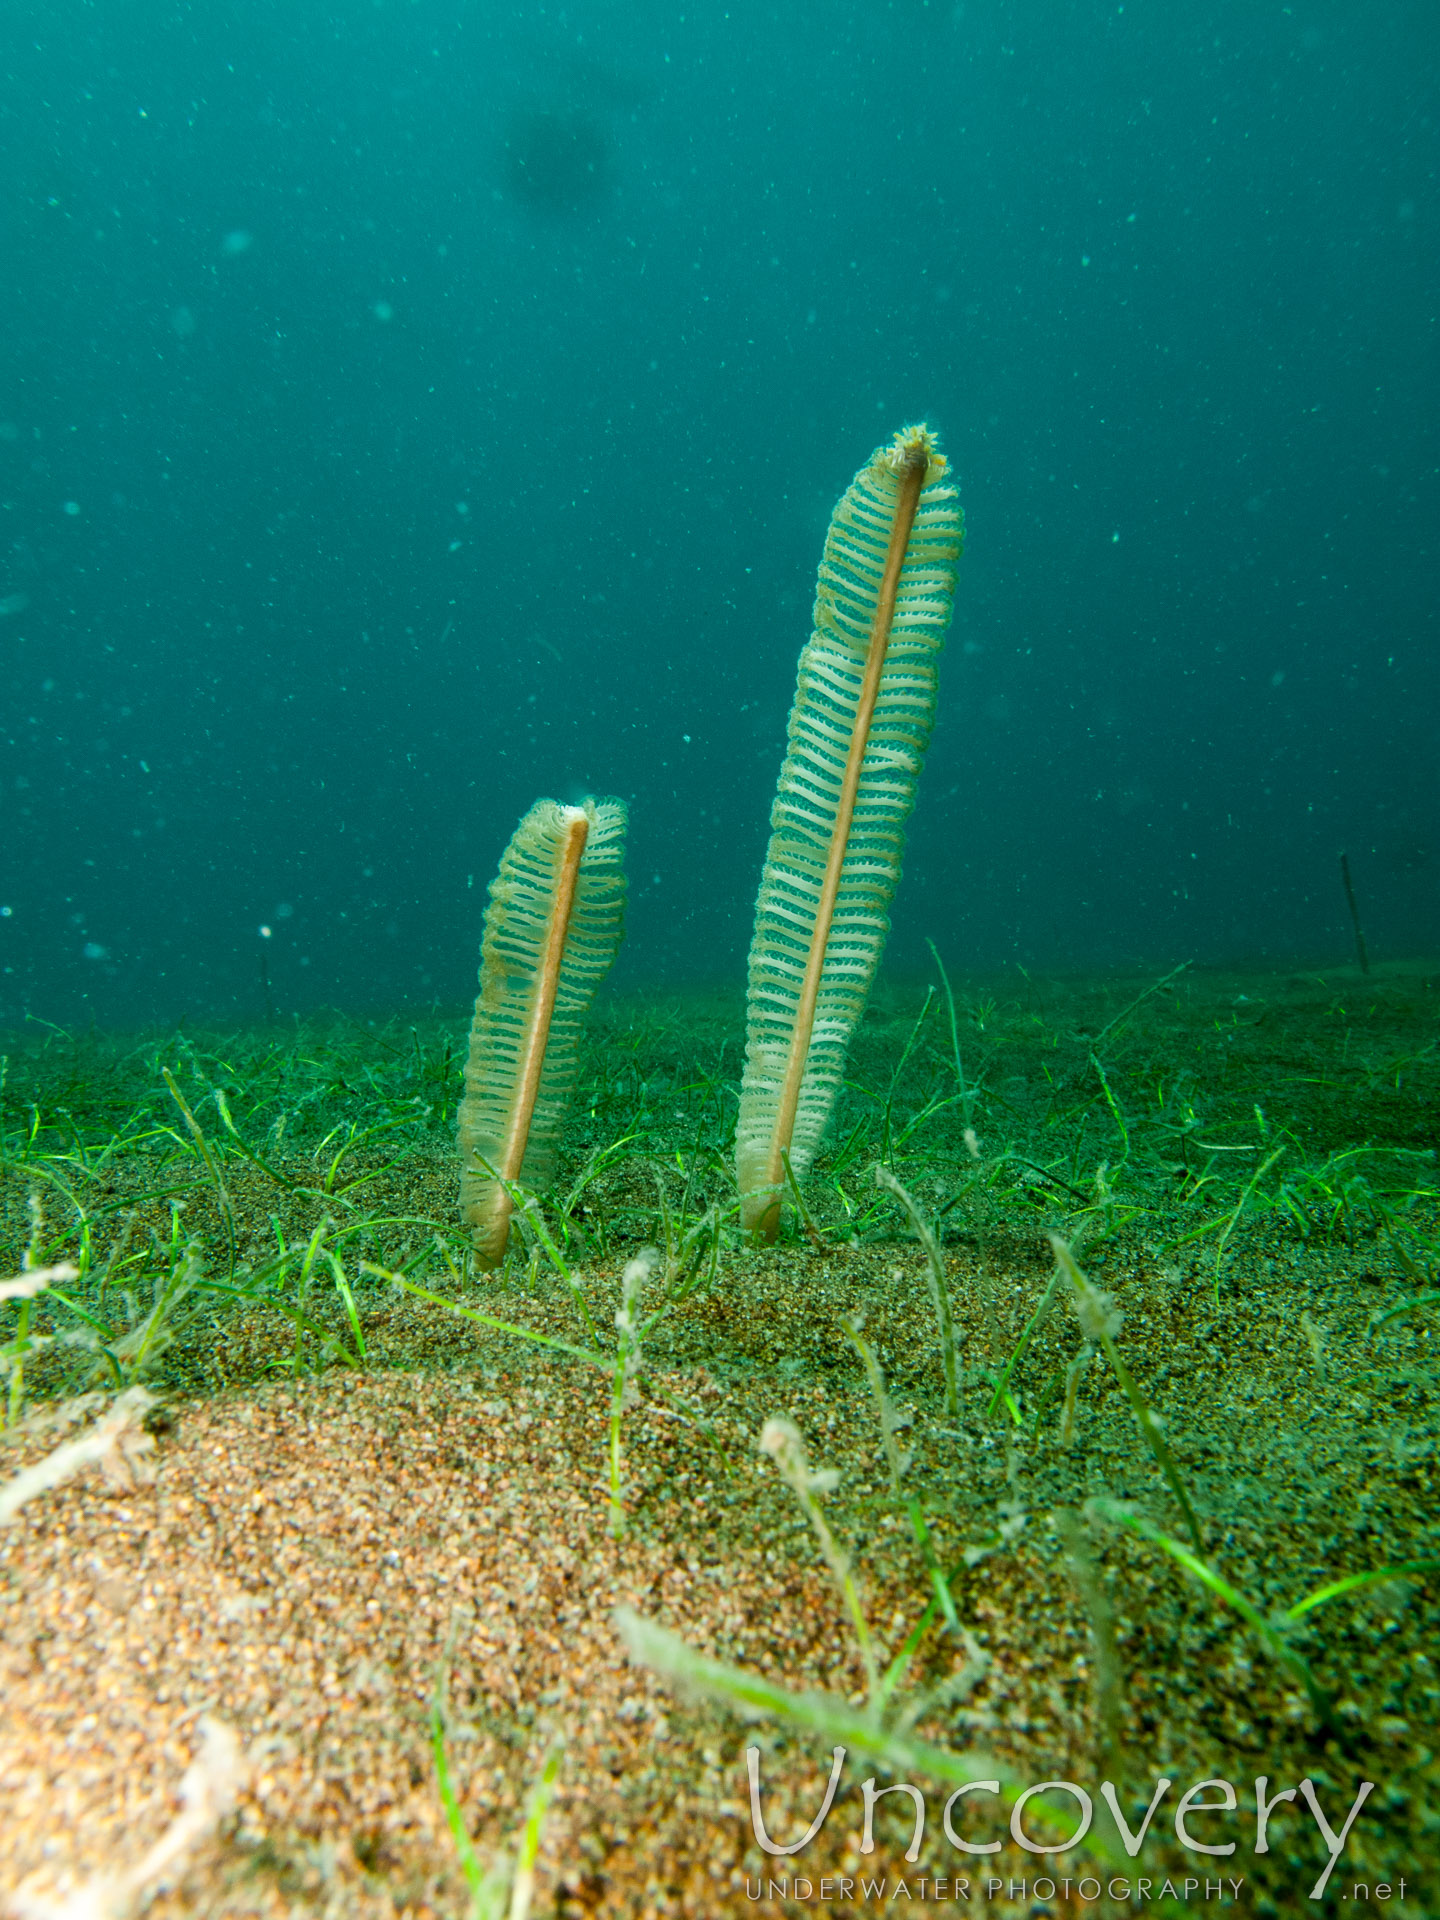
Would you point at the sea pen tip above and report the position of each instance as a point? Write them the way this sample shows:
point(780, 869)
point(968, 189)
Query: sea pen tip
point(914, 447)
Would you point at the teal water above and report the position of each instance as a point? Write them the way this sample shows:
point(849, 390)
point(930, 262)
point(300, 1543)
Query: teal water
point(411, 409)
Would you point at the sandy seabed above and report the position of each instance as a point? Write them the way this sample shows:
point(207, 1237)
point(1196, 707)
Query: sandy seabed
point(309, 1546)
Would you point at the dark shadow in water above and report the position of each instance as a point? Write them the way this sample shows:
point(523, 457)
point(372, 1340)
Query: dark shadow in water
point(557, 160)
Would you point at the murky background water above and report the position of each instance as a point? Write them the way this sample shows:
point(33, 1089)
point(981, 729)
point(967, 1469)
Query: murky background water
point(409, 409)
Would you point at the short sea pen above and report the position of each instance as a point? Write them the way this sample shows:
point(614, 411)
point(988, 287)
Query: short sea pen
point(551, 932)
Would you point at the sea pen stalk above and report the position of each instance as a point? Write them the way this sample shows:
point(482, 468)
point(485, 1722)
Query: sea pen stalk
point(512, 1152)
point(551, 932)
point(864, 705)
point(577, 831)
point(912, 477)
